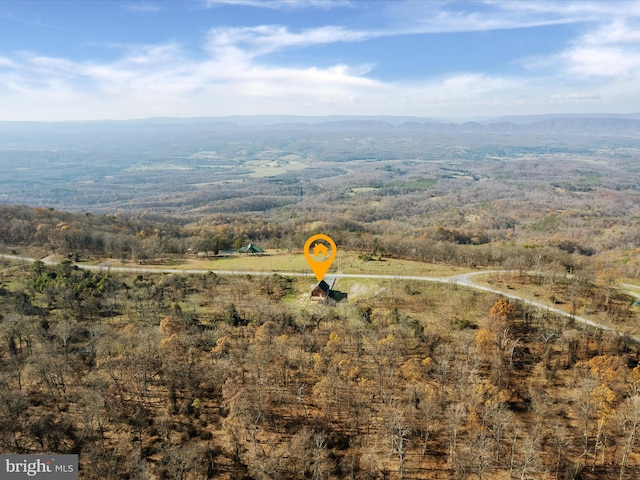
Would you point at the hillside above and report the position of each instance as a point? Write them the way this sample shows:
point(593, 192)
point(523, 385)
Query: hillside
point(151, 375)
point(243, 378)
point(192, 374)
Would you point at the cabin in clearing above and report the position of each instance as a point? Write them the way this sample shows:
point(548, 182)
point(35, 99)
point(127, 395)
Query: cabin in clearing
point(251, 248)
point(322, 290)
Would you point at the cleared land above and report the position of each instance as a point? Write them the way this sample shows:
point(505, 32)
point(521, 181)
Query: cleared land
point(345, 262)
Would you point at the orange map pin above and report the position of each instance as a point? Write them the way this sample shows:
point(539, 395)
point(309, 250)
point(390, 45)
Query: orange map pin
point(320, 250)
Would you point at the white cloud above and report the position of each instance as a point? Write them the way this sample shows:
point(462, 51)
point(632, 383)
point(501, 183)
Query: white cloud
point(573, 10)
point(282, 4)
point(601, 66)
point(234, 72)
point(154, 54)
point(451, 17)
point(617, 31)
point(165, 80)
point(444, 16)
point(7, 63)
point(32, 22)
point(264, 39)
point(144, 8)
point(586, 61)
point(612, 50)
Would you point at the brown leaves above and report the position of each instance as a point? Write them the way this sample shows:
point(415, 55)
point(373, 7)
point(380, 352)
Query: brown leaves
point(171, 325)
point(502, 309)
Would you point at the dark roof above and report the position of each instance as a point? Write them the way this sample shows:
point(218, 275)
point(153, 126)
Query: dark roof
point(251, 248)
point(322, 285)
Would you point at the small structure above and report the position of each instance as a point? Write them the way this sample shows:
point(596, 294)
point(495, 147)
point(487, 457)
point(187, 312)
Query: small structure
point(322, 290)
point(251, 248)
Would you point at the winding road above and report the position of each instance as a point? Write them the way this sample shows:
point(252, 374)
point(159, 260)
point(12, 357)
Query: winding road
point(465, 280)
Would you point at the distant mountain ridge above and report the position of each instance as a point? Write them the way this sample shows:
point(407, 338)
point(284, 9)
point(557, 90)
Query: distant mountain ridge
point(599, 124)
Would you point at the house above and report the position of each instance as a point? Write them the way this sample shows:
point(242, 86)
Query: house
point(251, 248)
point(322, 290)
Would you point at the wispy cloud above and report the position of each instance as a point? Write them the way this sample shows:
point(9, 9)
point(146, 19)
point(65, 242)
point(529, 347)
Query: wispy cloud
point(32, 21)
point(580, 10)
point(610, 50)
point(618, 31)
point(451, 17)
point(264, 39)
point(7, 63)
point(445, 16)
point(144, 7)
point(235, 70)
point(282, 4)
point(601, 61)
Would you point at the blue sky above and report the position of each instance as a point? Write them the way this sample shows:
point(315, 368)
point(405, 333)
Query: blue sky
point(84, 59)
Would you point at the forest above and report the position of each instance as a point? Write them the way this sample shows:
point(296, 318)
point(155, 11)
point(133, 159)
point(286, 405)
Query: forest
point(207, 376)
point(152, 375)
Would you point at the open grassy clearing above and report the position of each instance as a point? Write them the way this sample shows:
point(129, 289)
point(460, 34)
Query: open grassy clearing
point(345, 262)
point(218, 182)
point(360, 288)
point(350, 263)
point(274, 168)
point(24, 251)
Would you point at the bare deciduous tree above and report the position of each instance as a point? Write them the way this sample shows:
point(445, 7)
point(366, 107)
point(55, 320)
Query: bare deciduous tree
point(398, 431)
point(629, 420)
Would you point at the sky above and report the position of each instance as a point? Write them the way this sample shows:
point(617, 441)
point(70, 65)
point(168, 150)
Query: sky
point(90, 60)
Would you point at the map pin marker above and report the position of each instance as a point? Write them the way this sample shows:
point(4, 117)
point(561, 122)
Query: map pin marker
point(319, 255)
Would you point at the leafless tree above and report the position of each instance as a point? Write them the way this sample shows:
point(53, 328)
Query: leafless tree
point(321, 465)
point(398, 431)
point(497, 418)
point(585, 407)
point(65, 330)
point(455, 414)
point(530, 465)
point(629, 420)
point(12, 406)
point(562, 442)
point(52, 370)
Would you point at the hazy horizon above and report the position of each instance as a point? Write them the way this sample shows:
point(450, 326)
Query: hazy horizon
point(395, 120)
